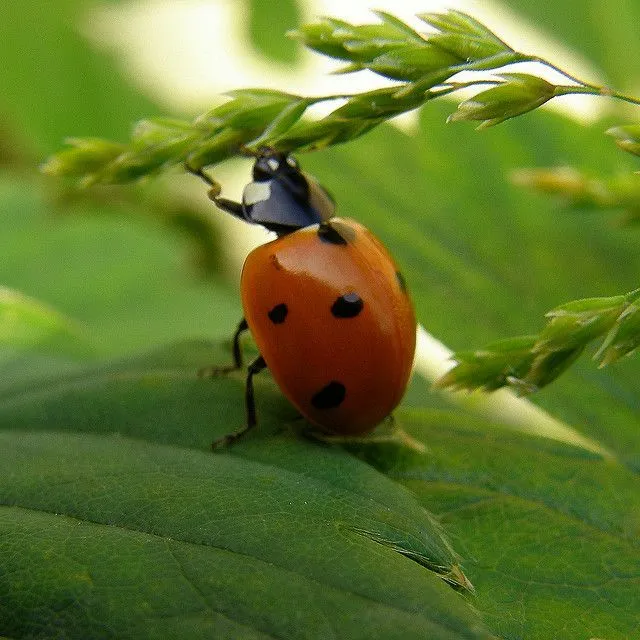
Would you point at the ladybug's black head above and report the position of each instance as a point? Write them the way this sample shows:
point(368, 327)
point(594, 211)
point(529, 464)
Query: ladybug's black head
point(282, 198)
point(270, 164)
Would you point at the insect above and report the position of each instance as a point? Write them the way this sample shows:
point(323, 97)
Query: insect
point(325, 303)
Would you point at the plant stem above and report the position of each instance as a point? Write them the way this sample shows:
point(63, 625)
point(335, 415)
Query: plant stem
point(563, 90)
point(585, 87)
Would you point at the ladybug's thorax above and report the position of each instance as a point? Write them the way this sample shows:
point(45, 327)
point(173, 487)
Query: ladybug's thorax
point(282, 198)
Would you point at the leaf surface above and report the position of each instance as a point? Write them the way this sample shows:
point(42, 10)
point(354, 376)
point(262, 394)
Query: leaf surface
point(549, 532)
point(105, 531)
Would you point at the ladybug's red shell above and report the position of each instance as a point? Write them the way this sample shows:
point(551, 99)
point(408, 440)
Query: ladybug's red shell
point(331, 317)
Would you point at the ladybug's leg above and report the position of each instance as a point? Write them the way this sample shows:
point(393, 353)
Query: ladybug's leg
point(212, 372)
point(237, 353)
point(255, 367)
point(234, 208)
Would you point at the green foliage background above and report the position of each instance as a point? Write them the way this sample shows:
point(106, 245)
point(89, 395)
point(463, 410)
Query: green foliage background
point(115, 521)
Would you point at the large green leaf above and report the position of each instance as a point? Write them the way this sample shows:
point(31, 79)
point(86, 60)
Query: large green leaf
point(550, 532)
point(105, 533)
point(122, 277)
point(482, 258)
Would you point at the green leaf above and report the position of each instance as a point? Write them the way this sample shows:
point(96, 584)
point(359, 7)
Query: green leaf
point(157, 130)
point(501, 363)
point(306, 136)
point(113, 268)
point(482, 259)
point(463, 36)
point(579, 321)
point(469, 49)
point(249, 108)
point(143, 161)
point(320, 37)
point(356, 43)
point(280, 125)
point(412, 63)
point(211, 542)
point(624, 337)
point(86, 156)
point(548, 364)
point(402, 28)
point(456, 22)
point(550, 531)
point(377, 104)
point(25, 322)
point(469, 40)
point(217, 148)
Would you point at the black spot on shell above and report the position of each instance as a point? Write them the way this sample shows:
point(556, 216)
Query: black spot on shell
point(347, 306)
point(401, 281)
point(328, 233)
point(278, 314)
point(330, 396)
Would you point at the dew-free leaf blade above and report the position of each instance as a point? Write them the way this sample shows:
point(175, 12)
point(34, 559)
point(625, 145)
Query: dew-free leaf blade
point(550, 531)
point(106, 509)
point(26, 322)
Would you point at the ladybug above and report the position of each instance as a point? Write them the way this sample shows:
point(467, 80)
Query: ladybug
point(325, 303)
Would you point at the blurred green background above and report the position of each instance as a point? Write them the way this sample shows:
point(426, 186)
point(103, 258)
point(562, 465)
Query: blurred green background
point(58, 82)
